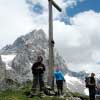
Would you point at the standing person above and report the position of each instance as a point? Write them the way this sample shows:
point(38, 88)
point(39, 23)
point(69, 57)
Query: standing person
point(92, 87)
point(38, 69)
point(59, 80)
point(98, 91)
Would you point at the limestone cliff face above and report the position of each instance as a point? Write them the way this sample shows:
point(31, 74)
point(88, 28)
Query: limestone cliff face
point(2, 73)
point(2, 70)
point(22, 66)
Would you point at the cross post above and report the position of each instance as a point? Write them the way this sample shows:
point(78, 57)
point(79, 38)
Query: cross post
point(51, 44)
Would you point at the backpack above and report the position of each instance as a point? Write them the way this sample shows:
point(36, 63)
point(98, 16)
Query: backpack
point(87, 81)
point(48, 91)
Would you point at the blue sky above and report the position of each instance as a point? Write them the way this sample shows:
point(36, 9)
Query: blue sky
point(84, 6)
point(38, 8)
point(71, 11)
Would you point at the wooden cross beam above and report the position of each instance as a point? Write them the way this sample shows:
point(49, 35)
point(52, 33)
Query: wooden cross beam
point(51, 43)
point(55, 5)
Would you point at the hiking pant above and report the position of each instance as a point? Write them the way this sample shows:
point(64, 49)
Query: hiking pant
point(92, 93)
point(38, 82)
point(59, 86)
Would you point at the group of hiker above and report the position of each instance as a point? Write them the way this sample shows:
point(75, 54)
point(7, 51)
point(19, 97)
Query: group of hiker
point(38, 69)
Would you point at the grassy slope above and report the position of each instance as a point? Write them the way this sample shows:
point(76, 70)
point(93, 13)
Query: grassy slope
point(20, 95)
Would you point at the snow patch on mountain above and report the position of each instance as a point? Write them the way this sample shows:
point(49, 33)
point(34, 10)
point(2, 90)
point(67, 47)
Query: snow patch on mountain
point(72, 80)
point(86, 91)
point(97, 75)
point(7, 59)
point(75, 84)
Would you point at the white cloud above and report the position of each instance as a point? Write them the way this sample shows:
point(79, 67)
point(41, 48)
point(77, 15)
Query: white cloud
point(81, 30)
point(66, 34)
point(89, 67)
point(14, 20)
point(88, 25)
point(88, 20)
point(79, 42)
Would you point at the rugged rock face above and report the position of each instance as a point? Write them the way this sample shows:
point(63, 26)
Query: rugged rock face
point(22, 66)
point(33, 40)
point(2, 72)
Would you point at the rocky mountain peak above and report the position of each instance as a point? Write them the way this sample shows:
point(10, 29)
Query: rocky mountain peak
point(34, 39)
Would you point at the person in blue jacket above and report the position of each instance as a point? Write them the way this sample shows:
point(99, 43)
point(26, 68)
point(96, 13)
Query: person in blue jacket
point(59, 76)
